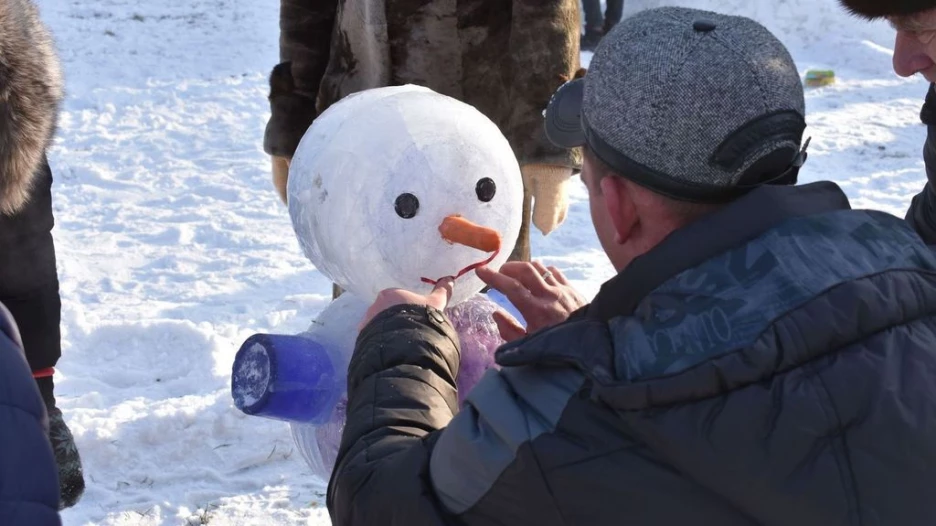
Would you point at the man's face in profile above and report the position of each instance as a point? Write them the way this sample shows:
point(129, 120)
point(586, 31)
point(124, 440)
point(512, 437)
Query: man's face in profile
point(915, 46)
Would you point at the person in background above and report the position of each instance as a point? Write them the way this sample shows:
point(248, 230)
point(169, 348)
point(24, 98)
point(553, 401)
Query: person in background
point(914, 53)
point(596, 25)
point(29, 490)
point(30, 96)
point(505, 57)
point(765, 354)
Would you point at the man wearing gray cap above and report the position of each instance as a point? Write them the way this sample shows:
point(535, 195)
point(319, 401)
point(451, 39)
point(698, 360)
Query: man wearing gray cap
point(764, 356)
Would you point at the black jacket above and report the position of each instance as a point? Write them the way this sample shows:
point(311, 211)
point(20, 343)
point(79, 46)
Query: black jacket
point(31, 86)
point(770, 364)
point(29, 284)
point(922, 213)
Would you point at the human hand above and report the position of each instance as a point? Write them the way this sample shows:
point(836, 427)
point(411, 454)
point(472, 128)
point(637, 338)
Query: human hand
point(542, 295)
point(280, 175)
point(438, 299)
point(550, 188)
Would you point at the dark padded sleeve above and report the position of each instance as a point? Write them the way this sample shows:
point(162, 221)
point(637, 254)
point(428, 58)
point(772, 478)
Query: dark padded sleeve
point(401, 391)
point(29, 491)
point(922, 213)
point(406, 458)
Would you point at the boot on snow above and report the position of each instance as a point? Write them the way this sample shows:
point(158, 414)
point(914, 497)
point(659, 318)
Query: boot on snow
point(71, 474)
point(590, 40)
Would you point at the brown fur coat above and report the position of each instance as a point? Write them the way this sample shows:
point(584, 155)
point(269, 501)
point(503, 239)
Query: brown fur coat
point(505, 57)
point(30, 96)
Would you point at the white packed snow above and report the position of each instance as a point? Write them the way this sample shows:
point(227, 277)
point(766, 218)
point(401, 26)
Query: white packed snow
point(173, 247)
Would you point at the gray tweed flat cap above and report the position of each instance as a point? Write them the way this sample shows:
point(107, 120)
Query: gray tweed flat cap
point(692, 104)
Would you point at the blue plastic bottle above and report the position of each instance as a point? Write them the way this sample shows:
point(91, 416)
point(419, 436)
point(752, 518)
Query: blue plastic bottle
point(290, 378)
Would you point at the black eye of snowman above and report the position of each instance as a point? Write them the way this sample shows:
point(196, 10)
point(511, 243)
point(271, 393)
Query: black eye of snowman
point(406, 206)
point(486, 189)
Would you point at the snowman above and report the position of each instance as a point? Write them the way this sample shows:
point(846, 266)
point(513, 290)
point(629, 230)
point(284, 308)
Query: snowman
point(399, 187)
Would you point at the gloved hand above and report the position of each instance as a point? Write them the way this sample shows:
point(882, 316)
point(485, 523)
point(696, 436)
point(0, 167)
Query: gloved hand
point(292, 112)
point(549, 185)
point(922, 213)
point(280, 175)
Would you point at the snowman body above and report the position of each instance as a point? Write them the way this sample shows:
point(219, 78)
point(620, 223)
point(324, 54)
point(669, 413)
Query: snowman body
point(335, 329)
point(397, 188)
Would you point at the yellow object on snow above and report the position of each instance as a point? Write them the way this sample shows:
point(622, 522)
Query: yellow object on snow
point(816, 78)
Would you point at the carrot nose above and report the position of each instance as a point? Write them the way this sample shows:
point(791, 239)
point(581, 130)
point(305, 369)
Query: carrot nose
point(457, 229)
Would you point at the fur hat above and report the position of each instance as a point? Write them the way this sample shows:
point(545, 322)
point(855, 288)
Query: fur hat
point(872, 9)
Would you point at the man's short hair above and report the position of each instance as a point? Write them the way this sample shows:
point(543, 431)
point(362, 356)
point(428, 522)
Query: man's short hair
point(684, 212)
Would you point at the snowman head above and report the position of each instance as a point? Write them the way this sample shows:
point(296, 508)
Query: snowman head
point(401, 186)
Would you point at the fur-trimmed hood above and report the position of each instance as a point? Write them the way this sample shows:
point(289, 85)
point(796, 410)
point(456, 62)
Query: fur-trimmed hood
point(873, 9)
point(30, 97)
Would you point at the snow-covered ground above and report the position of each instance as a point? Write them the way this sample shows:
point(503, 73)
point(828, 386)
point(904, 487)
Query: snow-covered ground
point(173, 246)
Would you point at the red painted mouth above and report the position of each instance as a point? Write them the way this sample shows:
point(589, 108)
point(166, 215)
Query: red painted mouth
point(465, 270)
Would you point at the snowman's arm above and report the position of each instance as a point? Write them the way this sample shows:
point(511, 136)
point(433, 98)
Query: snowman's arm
point(401, 391)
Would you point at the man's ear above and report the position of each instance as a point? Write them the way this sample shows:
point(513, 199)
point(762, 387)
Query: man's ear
point(620, 206)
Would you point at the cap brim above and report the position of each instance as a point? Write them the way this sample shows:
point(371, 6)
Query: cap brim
point(563, 116)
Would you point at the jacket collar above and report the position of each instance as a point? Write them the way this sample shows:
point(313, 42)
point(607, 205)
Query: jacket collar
point(737, 223)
